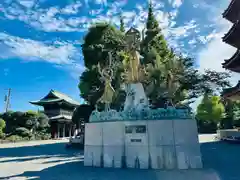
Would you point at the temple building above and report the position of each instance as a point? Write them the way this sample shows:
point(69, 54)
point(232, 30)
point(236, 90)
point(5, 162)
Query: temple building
point(232, 37)
point(59, 109)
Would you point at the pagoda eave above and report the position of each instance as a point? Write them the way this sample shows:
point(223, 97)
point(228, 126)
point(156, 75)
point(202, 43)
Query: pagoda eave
point(236, 70)
point(232, 93)
point(232, 35)
point(231, 13)
point(233, 64)
point(235, 96)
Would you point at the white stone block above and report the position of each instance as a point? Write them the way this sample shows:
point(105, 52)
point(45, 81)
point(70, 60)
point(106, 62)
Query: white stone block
point(88, 156)
point(113, 156)
point(113, 134)
point(169, 156)
point(156, 157)
point(188, 156)
point(134, 138)
point(93, 134)
point(137, 157)
point(160, 132)
point(136, 97)
point(185, 131)
point(92, 156)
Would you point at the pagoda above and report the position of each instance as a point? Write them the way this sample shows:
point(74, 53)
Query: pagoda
point(232, 14)
point(59, 109)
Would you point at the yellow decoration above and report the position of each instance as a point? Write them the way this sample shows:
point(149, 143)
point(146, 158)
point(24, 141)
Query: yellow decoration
point(109, 91)
point(133, 70)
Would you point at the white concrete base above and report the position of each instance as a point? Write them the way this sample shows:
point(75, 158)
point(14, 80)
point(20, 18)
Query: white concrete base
point(143, 144)
point(228, 134)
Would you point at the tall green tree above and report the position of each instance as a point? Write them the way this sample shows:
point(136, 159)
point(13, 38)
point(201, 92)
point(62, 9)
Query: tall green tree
point(154, 41)
point(166, 70)
point(210, 113)
point(100, 39)
point(122, 28)
point(228, 121)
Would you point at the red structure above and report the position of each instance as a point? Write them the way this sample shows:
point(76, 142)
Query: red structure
point(232, 14)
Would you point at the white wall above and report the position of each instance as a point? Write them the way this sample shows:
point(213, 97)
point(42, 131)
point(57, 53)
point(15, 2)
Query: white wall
point(166, 144)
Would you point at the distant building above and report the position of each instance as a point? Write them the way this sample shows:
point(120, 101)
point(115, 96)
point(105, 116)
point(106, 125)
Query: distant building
point(59, 108)
point(232, 14)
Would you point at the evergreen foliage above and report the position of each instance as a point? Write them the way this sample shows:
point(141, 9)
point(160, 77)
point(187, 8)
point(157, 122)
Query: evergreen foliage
point(169, 75)
point(24, 124)
point(122, 28)
point(210, 113)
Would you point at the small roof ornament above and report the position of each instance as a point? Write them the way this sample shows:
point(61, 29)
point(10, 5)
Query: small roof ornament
point(133, 37)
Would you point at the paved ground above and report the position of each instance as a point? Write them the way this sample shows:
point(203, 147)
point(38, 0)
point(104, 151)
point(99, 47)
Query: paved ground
point(49, 160)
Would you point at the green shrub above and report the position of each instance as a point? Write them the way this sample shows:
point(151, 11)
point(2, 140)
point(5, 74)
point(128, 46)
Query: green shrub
point(2, 127)
point(25, 138)
point(2, 135)
point(42, 136)
point(14, 138)
point(23, 132)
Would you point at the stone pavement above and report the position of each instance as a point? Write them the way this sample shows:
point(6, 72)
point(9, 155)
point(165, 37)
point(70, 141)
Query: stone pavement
point(49, 160)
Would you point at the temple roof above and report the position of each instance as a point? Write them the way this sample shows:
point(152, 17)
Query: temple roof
point(232, 93)
point(232, 37)
point(54, 97)
point(233, 63)
point(60, 117)
point(232, 12)
point(132, 30)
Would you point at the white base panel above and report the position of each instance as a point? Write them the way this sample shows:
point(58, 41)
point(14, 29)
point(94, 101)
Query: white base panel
point(92, 155)
point(137, 157)
point(112, 156)
point(165, 144)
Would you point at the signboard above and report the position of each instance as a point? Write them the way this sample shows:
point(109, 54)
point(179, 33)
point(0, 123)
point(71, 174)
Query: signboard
point(135, 129)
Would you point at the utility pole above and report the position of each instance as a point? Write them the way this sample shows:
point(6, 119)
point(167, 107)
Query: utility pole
point(7, 100)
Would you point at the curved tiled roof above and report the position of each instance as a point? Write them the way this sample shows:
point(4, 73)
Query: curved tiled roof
point(54, 96)
point(235, 57)
point(229, 8)
point(231, 91)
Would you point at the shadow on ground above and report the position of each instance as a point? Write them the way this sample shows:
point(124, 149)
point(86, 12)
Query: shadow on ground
point(77, 170)
point(221, 157)
point(42, 151)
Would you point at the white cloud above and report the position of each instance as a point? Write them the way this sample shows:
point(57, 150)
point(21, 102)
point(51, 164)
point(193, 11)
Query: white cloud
point(51, 20)
point(72, 8)
point(27, 3)
point(62, 54)
point(184, 30)
point(75, 70)
point(175, 3)
point(104, 2)
point(43, 19)
point(215, 51)
point(26, 49)
point(5, 71)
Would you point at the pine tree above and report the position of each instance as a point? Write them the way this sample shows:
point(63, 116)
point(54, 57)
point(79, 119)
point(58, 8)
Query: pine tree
point(154, 39)
point(122, 28)
point(152, 24)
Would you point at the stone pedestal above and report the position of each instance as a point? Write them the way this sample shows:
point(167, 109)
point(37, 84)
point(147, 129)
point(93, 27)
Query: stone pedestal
point(136, 97)
point(144, 144)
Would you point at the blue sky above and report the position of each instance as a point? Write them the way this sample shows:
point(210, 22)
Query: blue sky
point(40, 39)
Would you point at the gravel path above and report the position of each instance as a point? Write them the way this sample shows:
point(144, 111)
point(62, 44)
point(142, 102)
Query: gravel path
point(49, 160)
